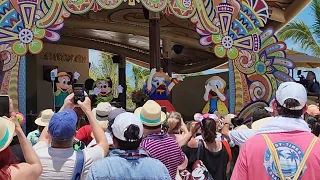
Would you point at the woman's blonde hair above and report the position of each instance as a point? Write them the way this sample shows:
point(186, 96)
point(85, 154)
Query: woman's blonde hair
point(174, 121)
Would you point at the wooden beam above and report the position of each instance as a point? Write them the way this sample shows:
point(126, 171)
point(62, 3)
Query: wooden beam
point(84, 43)
point(127, 29)
point(154, 40)
point(144, 58)
point(277, 14)
point(122, 82)
point(290, 13)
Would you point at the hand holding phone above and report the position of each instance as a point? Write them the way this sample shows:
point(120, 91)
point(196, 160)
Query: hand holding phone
point(78, 89)
point(4, 106)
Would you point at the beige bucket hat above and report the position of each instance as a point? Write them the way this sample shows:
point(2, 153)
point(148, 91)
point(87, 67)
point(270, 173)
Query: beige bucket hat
point(150, 114)
point(44, 118)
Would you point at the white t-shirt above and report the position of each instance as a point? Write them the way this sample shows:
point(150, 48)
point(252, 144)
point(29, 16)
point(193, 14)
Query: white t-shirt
point(58, 164)
point(239, 137)
point(108, 136)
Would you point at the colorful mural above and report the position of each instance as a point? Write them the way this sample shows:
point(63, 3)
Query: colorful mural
point(232, 27)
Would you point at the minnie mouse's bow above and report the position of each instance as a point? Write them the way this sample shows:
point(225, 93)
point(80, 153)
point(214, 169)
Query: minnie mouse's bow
point(199, 117)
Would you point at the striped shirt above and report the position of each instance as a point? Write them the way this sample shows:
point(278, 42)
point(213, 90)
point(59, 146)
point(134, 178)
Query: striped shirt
point(164, 148)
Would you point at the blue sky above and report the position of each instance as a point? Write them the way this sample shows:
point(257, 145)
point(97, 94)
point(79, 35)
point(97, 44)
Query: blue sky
point(307, 18)
point(304, 15)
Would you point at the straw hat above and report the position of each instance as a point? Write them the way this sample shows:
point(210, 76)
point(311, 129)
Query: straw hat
point(269, 108)
point(102, 111)
point(6, 133)
point(44, 118)
point(262, 122)
point(150, 114)
point(61, 74)
point(104, 125)
point(313, 110)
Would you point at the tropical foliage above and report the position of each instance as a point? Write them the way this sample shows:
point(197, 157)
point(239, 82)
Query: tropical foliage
point(307, 37)
point(106, 68)
point(140, 75)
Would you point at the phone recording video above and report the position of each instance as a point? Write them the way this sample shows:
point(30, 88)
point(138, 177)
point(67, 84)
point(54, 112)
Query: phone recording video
point(164, 109)
point(78, 89)
point(4, 105)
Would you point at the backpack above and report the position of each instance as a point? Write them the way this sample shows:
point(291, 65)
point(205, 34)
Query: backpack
point(199, 170)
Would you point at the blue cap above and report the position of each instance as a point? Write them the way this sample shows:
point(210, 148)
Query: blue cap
point(62, 126)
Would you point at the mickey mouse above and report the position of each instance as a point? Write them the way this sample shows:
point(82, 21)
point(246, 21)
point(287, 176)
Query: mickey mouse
point(102, 90)
point(63, 87)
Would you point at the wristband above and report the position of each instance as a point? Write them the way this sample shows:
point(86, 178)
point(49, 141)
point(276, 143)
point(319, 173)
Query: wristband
point(175, 81)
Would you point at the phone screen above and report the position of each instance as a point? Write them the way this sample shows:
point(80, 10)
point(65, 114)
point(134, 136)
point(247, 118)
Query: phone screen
point(78, 89)
point(4, 105)
point(164, 109)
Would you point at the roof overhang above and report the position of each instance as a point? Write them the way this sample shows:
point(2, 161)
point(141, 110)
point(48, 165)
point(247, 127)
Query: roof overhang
point(125, 31)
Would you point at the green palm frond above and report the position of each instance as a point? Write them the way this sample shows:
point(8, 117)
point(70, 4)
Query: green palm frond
point(315, 6)
point(300, 33)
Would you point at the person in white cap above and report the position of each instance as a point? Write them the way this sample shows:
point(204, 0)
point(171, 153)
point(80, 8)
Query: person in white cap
point(284, 148)
point(127, 161)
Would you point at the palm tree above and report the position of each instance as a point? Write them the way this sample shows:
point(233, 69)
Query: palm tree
point(293, 157)
point(300, 33)
point(280, 154)
point(140, 75)
point(106, 68)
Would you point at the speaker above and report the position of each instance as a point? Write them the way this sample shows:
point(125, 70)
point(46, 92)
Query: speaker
point(46, 72)
point(177, 48)
point(116, 59)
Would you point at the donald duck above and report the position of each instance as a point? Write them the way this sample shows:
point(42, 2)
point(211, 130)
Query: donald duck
point(159, 86)
point(214, 96)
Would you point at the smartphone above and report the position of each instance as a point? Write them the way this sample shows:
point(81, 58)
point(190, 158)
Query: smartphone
point(164, 109)
point(78, 89)
point(4, 105)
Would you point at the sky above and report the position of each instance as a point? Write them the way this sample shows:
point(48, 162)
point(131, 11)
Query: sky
point(305, 15)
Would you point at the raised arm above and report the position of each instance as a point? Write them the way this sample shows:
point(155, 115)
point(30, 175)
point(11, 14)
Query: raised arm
point(68, 102)
point(149, 82)
point(97, 131)
point(32, 168)
point(207, 91)
point(187, 136)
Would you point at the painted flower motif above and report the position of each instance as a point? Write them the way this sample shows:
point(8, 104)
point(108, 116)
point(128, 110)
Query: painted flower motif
point(29, 40)
point(25, 36)
point(265, 65)
point(224, 46)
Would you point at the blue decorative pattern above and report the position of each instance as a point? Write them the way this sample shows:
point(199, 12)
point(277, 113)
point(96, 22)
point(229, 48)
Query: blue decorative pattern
point(22, 88)
point(232, 90)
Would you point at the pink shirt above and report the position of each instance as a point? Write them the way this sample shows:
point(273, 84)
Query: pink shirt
point(255, 160)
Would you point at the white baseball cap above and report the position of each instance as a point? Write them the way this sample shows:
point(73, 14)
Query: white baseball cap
point(121, 124)
point(292, 90)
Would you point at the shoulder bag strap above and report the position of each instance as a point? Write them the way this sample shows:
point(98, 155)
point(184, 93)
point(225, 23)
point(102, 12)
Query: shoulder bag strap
point(277, 161)
point(226, 145)
point(305, 157)
point(200, 146)
point(274, 155)
point(78, 168)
